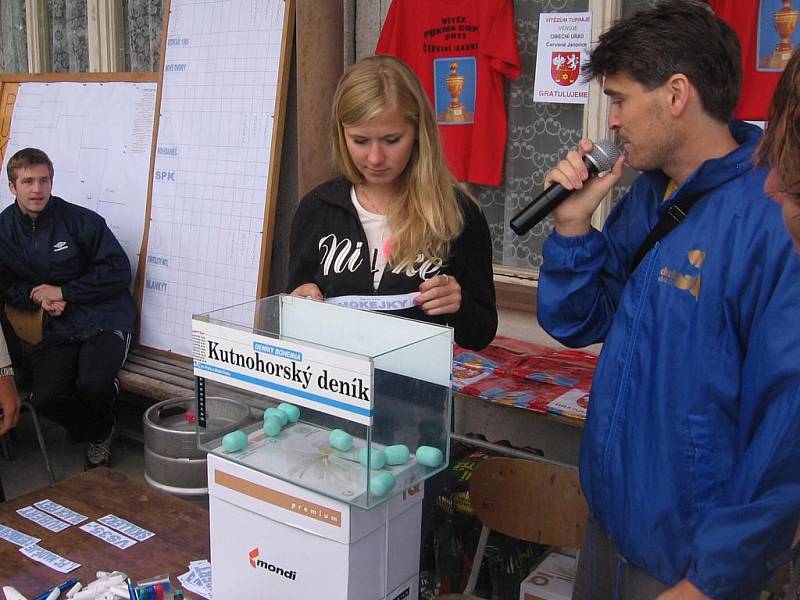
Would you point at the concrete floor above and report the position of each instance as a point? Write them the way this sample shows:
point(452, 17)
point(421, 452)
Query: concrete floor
point(26, 471)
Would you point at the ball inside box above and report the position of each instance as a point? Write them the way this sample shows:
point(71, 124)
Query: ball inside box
point(272, 426)
point(377, 458)
point(278, 414)
point(291, 411)
point(234, 441)
point(397, 454)
point(341, 440)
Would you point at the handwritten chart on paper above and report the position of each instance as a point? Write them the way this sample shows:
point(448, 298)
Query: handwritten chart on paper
point(212, 162)
point(98, 136)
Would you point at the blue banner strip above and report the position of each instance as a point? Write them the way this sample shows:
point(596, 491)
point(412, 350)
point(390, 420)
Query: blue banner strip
point(286, 390)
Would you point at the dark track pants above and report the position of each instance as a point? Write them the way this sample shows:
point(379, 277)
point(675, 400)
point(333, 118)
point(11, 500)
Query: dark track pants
point(75, 385)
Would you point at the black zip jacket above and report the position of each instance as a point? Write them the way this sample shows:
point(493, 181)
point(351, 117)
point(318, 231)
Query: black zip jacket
point(327, 222)
point(71, 247)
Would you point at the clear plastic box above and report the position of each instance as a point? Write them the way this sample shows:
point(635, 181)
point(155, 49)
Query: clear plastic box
point(381, 380)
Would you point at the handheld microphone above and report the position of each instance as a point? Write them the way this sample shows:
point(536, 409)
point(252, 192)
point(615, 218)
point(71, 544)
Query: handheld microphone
point(602, 157)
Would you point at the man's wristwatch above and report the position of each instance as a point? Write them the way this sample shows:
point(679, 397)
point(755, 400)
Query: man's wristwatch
point(7, 371)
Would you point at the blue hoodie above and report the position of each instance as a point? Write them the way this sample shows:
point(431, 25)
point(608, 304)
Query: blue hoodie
point(690, 457)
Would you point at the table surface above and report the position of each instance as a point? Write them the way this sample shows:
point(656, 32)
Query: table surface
point(181, 533)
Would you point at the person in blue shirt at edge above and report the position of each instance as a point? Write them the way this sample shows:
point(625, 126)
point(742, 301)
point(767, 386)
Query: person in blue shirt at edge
point(396, 232)
point(690, 453)
point(780, 150)
point(64, 258)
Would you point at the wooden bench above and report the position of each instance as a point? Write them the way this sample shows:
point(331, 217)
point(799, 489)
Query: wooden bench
point(156, 376)
point(151, 374)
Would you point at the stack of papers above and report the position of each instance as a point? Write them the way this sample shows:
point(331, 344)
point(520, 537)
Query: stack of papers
point(198, 579)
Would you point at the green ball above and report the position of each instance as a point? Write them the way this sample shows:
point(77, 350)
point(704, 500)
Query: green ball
point(278, 414)
point(234, 441)
point(291, 411)
point(341, 440)
point(272, 426)
point(381, 483)
point(397, 454)
point(429, 456)
point(377, 459)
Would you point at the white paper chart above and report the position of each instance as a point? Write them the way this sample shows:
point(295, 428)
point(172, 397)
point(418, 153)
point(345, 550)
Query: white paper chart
point(98, 136)
point(212, 163)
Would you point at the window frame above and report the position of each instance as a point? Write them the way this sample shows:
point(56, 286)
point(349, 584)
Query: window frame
point(104, 31)
point(516, 288)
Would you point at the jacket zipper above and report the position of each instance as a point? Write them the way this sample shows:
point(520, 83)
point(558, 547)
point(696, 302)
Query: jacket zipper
point(615, 417)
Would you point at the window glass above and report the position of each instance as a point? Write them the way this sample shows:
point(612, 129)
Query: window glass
point(138, 23)
point(13, 44)
point(142, 21)
point(69, 48)
point(539, 135)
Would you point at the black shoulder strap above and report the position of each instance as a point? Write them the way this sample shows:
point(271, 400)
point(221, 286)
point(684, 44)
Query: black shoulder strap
point(673, 217)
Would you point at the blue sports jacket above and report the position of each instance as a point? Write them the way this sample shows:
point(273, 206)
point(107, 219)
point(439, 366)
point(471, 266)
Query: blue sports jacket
point(71, 247)
point(690, 457)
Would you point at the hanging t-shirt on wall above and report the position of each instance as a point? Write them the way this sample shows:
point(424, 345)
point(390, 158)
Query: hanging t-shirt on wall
point(767, 38)
point(460, 50)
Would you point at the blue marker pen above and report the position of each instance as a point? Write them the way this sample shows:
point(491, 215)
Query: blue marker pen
point(131, 590)
point(62, 587)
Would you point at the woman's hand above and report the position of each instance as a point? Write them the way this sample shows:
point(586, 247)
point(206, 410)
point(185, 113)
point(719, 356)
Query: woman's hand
point(440, 295)
point(307, 290)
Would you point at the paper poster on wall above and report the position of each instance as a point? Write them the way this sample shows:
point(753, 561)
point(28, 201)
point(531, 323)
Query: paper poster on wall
point(98, 136)
point(212, 163)
point(562, 51)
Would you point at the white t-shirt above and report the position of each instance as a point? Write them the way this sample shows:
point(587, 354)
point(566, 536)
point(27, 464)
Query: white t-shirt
point(378, 234)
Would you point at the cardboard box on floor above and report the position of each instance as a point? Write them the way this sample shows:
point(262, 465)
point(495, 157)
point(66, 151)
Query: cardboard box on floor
point(553, 579)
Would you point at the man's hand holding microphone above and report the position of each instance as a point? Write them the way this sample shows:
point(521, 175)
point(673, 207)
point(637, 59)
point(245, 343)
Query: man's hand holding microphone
point(571, 192)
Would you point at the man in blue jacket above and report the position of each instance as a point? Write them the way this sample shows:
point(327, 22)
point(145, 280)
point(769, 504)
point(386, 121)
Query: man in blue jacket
point(64, 259)
point(690, 454)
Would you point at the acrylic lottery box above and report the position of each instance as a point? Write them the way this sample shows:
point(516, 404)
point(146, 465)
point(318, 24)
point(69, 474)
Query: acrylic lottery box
point(354, 405)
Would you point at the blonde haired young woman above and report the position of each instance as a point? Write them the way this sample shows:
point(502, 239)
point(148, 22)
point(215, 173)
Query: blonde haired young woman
point(395, 232)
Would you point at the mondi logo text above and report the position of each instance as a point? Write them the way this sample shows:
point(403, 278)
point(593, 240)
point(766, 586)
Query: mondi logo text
point(256, 563)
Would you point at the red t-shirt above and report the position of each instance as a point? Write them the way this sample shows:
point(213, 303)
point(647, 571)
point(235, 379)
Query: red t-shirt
point(757, 86)
point(460, 50)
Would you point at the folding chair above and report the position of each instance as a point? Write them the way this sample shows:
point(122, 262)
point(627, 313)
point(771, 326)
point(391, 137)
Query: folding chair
point(8, 447)
point(533, 500)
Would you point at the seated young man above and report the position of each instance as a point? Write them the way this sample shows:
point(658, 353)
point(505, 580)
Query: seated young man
point(63, 258)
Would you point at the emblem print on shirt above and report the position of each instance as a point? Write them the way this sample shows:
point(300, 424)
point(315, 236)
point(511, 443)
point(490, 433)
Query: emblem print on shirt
point(59, 246)
point(682, 281)
point(344, 255)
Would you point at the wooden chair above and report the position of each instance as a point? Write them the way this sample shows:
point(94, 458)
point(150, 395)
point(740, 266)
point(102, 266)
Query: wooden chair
point(28, 325)
point(533, 500)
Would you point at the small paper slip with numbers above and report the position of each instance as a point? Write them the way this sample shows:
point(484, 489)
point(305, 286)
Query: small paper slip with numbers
point(51, 559)
point(17, 537)
point(138, 533)
point(62, 512)
point(42, 518)
point(108, 535)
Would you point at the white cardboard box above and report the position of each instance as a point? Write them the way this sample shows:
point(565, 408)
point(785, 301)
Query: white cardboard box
point(275, 540)
point(553, 579)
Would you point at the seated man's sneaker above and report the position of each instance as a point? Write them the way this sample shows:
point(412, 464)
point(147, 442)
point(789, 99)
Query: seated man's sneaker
point(99, 453)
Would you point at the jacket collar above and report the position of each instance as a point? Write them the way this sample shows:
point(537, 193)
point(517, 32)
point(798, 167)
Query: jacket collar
point(337, 192)
point(717, 171)
point(44, 217)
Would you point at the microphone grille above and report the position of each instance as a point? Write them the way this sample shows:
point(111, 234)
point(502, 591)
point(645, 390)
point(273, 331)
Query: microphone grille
point(604, 154)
